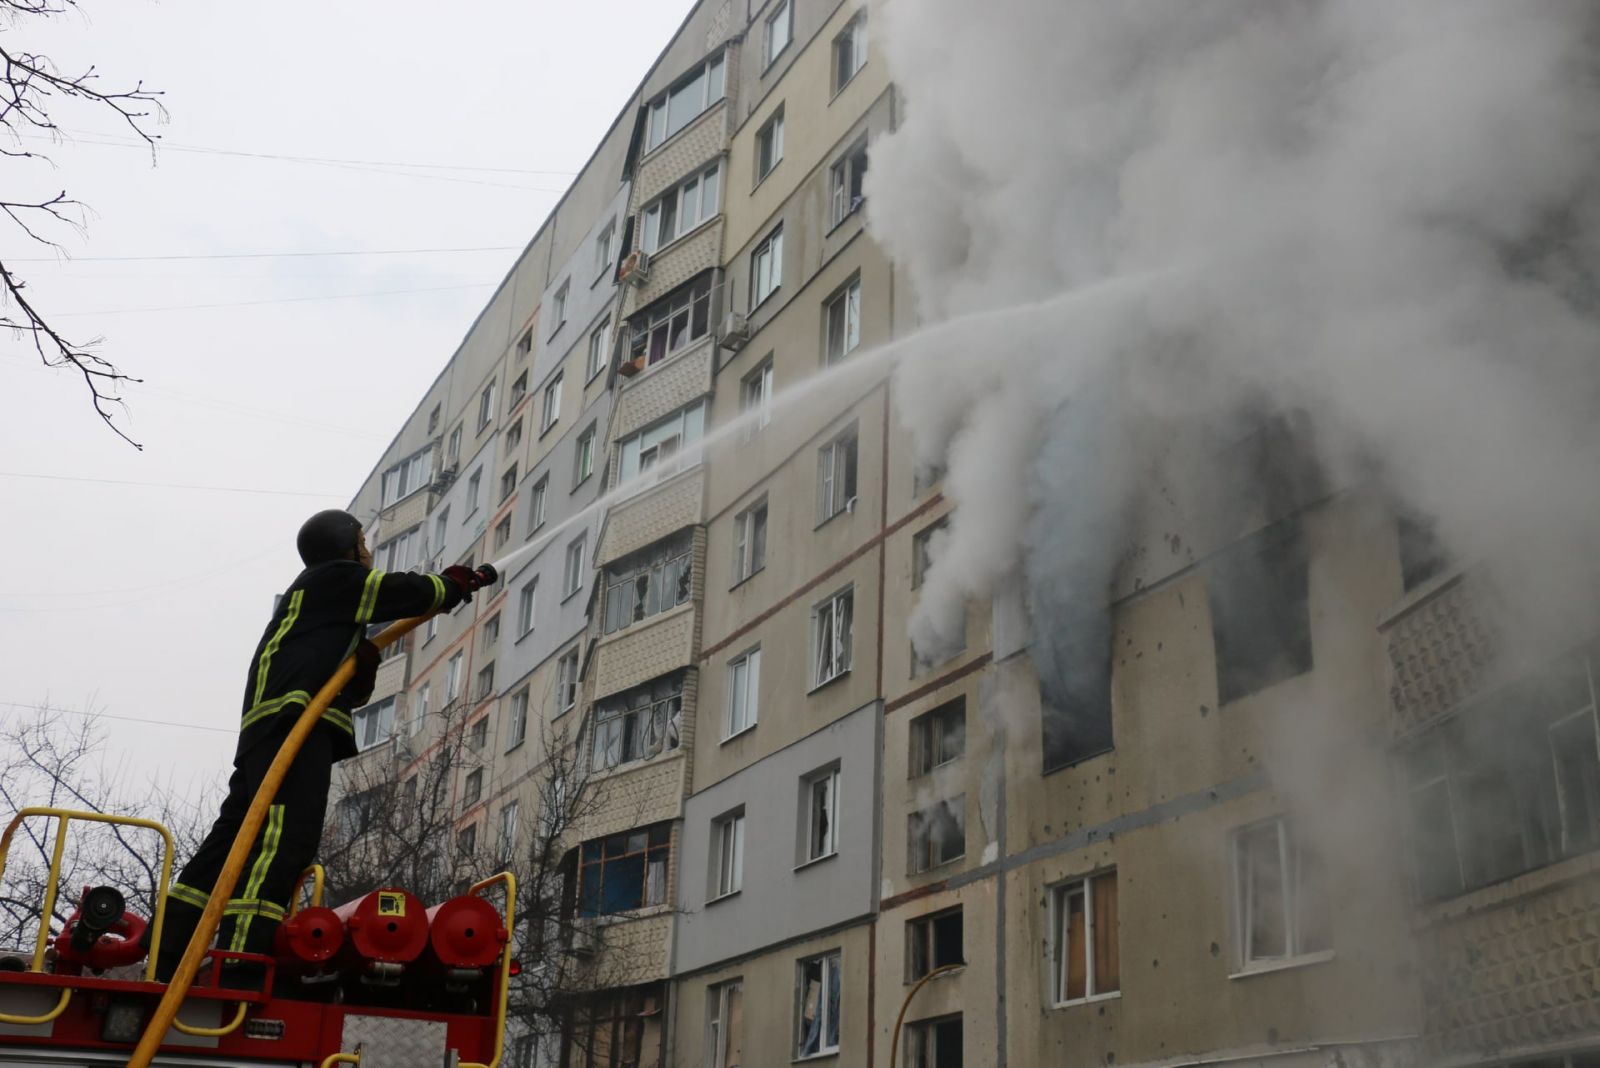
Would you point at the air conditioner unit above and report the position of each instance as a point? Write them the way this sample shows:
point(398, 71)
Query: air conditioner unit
point(735, 331)
point(585, 938)
point(636, 268)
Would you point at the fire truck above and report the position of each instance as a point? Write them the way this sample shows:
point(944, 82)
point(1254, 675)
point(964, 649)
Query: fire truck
point(384, 981)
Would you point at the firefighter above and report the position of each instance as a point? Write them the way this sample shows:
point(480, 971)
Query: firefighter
point(321, 619)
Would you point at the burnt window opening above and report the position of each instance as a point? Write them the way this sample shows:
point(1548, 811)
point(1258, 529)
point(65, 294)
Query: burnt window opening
point(1074, 666)
point(1273, 472)
point(1422, 556)
point(623, 872)
point(1260, 617)
point(933, 942)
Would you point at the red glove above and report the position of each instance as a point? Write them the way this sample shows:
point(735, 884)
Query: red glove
point(465, 579)
point(358, 691)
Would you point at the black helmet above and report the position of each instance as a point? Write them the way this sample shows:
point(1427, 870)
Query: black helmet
point(329, 535)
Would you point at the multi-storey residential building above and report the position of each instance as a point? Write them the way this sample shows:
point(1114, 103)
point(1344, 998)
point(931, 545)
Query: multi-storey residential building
point(1283, 796)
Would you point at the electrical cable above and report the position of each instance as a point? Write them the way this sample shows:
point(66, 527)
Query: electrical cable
point(45, 706)
point(274, 300)
point(171, 485)
point(262, 255)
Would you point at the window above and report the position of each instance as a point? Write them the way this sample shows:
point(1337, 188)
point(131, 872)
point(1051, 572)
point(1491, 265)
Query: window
point(522, 1054)
point(671, 323)
point(624, 871)
point(567, 681)
point(525, 606)
point(755, 395)
point(849, 52)
point(821, 800)
point(938, 737)
point(432, 629)
point(502, 532)
point(744, 683)
point(649, 582)
point(433, 419)
point(491, 630)
point(472, 787)
point(1422, 557)
point(514, 435)
point(842, 322)
point(572, 578)
point(519, 389)
point(847, 183)
point(525, 345)
point(519, 719)
point(830, 636)
point(769, 145)
point(453, 453)
point(639, 724)
point(681, 209)
point(508, 833)
point(374, 723)
point(419, 713)
point(661, 441)
point(1280, 908)
point(933, 942)
point(766, 267)
point(925, 546)
point(399, 553)
point(599, 343)
point(467, 841)
point(407, 476)
point(836, 476)
point(1258, 592)
point(817, 1006)
point(452, 678)
point(934, 1043)
point(1509, 784)
point(474, 487)
point(750, 541)
point(508, 483)
point(536, 499)
point(478, 735)
point(486, 406)
point(728, 835)
point(441, 528)
point(1085, 938)
point(725, 1025)
point(780, 30)
point(583, 458)
point(485, 681)
point(604, 247)
point(1073, 660)
point(936, 835)
point(684, 102)
point(558, 306)
point(552, 405)
point(610, 1027)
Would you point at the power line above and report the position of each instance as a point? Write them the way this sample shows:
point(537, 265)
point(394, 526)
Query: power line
point(47, 707)
point(275, 300)
point(263, 255)
point(170, 485)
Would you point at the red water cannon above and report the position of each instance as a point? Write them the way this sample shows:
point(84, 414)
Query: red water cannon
point(465, 933)
point(99, 934)
point(308, 940)
point(384, 932)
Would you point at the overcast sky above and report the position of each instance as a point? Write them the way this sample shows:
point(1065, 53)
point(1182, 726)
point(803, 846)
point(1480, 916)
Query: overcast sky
point(145, 602)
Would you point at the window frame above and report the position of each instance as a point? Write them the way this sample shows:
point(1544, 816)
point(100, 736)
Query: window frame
point(635, 726)
point(521, 701)
point(1291, 861)
point(829, 779)
point(845, 174)
point(923, 843)
point(769, 145)
point(838, 470)
point(713, 69)
point(599, 347)
point(483, 683)
point(374, 712)
point(474, 492)
point(472, 787)
point(856, 31)
point(657, 848)
point(558, 304)
point(755, 392)
point(605, 248)
point(733, 724)
point(506, 837)
point(843, 651)
point(681, 429)
point(922, 1038)
point(407, 479)
point(685, 307)
point(538, 497)
point(929, 748)
point(702, 190)
point(727, 838)
point(486, 406)
point(664, 569)
point(830, 980)
point(750, 533)
point(844, 299)
point(1060, 939)
point(452, 676)
point(527, 607)
point(550, 406)
point(769, 55)
point(769, 251)
point(508, 484)
point(718, 1003)
point(573, 569)
point(567, 681)
point(583, 451)
point(519, 389)
point(922, 942)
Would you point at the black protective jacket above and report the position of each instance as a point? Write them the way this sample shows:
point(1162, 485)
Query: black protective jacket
point(318, 621)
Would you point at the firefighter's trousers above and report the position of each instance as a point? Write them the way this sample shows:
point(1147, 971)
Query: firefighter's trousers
point(285, 847)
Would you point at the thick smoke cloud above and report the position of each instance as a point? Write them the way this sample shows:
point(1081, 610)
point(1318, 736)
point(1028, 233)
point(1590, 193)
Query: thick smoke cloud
point(1151, 223)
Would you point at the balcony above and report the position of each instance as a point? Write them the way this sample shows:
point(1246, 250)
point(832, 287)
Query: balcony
point(1442, 644)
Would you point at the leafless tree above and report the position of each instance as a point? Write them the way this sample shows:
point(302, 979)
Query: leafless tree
point(56, 761)
point(34, 91)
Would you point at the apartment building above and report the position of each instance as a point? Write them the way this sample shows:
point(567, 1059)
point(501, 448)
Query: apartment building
point(1288, 795)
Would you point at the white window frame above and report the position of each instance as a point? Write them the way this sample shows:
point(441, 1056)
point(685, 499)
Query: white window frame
point(836, 470)
point(452, 677)
point(1289, 859)
point(472, 787)
point(572, 573)
point(670, 439)
point(779, 33)
point(519, 389)
point(519, 718)
point(727, 837)
point(507, 842)
point(408, 476)
point(847, 65)
point(830, 968)
point(682, 209)
point(929, 733)
point(514, 434)
point(744, 690)
point(525, 343)
point(483, 683)
point(599, 346)
point(831, 651)
point(508, 483)
point(1060, 894)
point(604, 248)
point(419, 712)
point(710, 77)
point(755, 393)
point(583, 457)
point(550, 408)
point(537, 498)
point(558, 304)
point(920, 836)
point(567, 681)
point(646, 716)
point(822, 788)
point(474, 492)
point(769, 145)
point(846, 306)
point(401, 552)
point(842, 177)
point(717, 1001)
point(527, 606)
point(672, 321)
point(453, 452)
point(441, 528)
point(486, 406)
point(766, 267)
point(922, 1039)
point(750, 541)
point(376, 720)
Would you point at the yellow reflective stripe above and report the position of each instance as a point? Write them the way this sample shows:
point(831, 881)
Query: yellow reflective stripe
point(253, 907)
point(258, 873)
point(340, 719)
point(265, 664)
point(188, 895)
point(369, 596)
point(277, 704)
point(438, 592)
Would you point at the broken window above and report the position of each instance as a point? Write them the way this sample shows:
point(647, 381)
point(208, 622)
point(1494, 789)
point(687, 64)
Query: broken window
point(617, 1029)
point(639, 724)
point(817, 1006)
point(938, 737)
point(934, 1043)
point(1074, 665)
point(936, 835)
point(649, 582)
point(933, 942)
point(836, 476)
point(728, 834)
point(671, 323)
point(1085, 939)
point(1281, 907)
point(725, 1011)
point(831, 623)
point(1258, 589)
point(624, 871)
point(820, 794)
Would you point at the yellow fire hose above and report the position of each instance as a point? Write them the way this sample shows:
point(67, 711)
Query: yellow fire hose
point(167, 1010)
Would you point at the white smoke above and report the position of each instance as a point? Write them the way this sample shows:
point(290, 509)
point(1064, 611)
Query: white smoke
point(1147, 220)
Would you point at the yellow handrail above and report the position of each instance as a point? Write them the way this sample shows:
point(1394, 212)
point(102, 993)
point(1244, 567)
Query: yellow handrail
point(63, 817)
point(29, 1021)
point(228, 877)
point(212, 1032)
point(317, 878)
point(510, 882)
